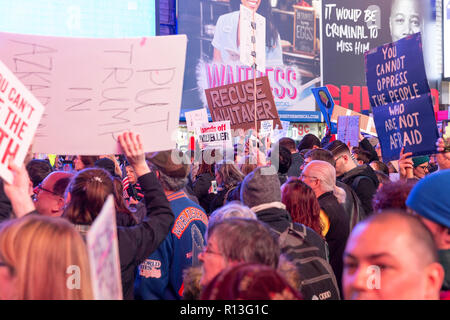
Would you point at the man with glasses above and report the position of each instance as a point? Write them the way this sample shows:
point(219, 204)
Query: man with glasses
point(49, 194)
point(362, 179)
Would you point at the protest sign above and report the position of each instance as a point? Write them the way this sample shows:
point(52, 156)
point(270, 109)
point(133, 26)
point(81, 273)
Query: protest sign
point(252, 37)
point(20, 113)
point(348, 130)
point(401, 98)
point(215, 135)
point(235, 103)
point(107, 87)
point(266, 128)
point(103, 253)
point(195, 119)
point(367, 125)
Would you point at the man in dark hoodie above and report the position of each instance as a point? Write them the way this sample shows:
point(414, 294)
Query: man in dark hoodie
point(261, 192)
point(297, 159)
point(361, 178)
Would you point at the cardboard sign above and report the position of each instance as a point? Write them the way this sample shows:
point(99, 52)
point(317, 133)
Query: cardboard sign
point(234, 102)
point(95, 89)
point(348, 130)
point(195, 119)
point(367, 124)
point(401, 98)
point(20, 113)
point(215, 135)
point(103, 253)
point(252, 37)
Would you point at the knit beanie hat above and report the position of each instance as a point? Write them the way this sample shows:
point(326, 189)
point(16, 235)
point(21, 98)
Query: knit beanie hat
point(417, 161)
point(261, 186)
point(429, 198)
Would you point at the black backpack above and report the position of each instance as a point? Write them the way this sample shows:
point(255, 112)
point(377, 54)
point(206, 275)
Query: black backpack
point(318, 281)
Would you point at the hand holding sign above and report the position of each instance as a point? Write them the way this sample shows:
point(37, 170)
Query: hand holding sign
point(19, 190)
point(134, 151)
point(405, 165)
point(442, 158)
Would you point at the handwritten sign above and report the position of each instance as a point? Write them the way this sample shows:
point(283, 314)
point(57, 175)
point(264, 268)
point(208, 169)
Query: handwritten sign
point(216, 135)
point(348, 130)
point(305, 31)
point(20, 113)
point(252, 38)
point(103, 253)
point(367, 125)
point(94, 89)
point(234, 102)
point(266, 128)
point(196, 118)
point(401, 98)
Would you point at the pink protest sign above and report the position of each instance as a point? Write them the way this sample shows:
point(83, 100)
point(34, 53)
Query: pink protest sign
point(20, 113)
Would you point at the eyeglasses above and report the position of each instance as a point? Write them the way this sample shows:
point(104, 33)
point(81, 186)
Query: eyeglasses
point(207, 250)
point(303, 176)
point(424, 167)
point(39, 188)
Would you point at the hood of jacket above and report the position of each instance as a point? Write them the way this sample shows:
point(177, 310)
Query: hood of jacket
point(363, 170)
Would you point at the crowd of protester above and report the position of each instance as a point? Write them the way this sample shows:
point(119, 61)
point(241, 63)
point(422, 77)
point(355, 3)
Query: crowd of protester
point(328, 222)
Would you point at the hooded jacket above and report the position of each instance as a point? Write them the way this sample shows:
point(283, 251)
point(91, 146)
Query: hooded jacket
point(365, 187)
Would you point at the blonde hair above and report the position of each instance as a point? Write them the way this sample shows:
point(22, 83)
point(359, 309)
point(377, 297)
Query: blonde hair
point(40, 251)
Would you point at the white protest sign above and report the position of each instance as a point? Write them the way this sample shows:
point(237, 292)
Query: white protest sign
point(94, 89)
point(195, 119)
point(252, 40)
point(348, 129)
point(103, 253)
point(266, 127)
point(216, 135)
point(281, 132)
point(20, 113)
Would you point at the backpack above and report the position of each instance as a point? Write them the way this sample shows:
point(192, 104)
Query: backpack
point(357, 214)
point(318, 281)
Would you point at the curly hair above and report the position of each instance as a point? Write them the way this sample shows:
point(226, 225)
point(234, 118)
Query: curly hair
point(393, 195)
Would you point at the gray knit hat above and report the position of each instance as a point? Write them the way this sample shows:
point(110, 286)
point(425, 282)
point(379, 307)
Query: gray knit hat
point(260, 186)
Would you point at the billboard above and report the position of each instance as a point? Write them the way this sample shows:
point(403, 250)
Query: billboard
point(292, 51)
point(350, 28)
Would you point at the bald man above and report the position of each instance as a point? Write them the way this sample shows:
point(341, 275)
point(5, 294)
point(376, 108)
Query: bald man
point(391, 256)
point(49, 194)
point(405, 18)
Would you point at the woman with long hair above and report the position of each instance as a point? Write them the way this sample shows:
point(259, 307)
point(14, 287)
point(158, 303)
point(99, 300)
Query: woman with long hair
point(301, 202)
point(86, 195)
point(228, 177)
point(40, 255)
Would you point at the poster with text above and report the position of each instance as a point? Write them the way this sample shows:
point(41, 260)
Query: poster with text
point(348, 130)
point(216, 135)
point(95, 89)
point(401, 98)
point(236, 103)
point(350, 28)
point(20, 113)
point(103, 253)
point(292, 50)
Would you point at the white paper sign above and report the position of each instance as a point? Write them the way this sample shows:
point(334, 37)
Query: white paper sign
point(195, 119)
point(247, 46)
point(348, 129)
point(103, 253)
point(266, 127)
point(94, 89)
point(215, 135)
point(20, 113)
